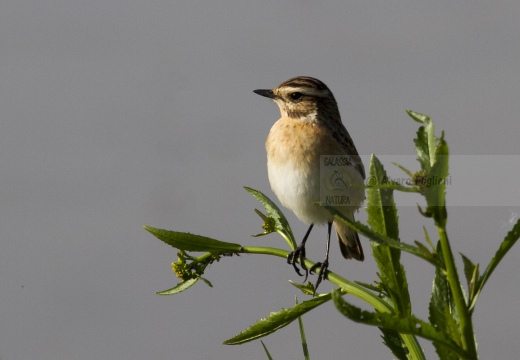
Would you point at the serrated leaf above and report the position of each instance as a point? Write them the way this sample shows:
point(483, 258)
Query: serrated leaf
point(379, 238)
point(429, 133)
point(407, 325)
point(508, 242)
point(382, 217)
point(185, 285)
point(307, 289)
point(393, 341)
point(276, 320)
point(443, 313)
point(280, 222)
point(425, 141)
point(192, 242)
point(435, 194)
point(381, 210)
point(422, 149)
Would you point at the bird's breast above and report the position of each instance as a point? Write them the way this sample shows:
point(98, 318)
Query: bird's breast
point(293, 163)
point(299, 141)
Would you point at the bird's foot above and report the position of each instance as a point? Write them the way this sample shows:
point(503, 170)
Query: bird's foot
point(298, 255)
point(322, 273)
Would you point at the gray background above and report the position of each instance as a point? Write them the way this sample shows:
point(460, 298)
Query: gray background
point(117, 114)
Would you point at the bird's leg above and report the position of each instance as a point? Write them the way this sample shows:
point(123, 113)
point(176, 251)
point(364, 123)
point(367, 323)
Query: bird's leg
point(324, 265)
point(299, 254)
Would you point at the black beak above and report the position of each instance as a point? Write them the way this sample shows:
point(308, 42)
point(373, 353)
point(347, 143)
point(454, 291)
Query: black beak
point(267, 93)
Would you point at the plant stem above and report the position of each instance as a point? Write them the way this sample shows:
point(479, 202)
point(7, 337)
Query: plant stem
point(414, 348)
point(415, 351)
point(350, 287)
point(466, 325)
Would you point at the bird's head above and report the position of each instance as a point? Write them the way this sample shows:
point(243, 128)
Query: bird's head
point(303, 98)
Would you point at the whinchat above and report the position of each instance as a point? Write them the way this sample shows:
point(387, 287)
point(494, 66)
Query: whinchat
point(310, 127)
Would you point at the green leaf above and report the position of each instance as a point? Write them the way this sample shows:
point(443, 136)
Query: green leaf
point(185, 285)
point(420, 118)
point(427, 237)
point(407, 325)
point(505, 246)
point(302, 336)
point(281, 224)
point(422, 149)
point(381, 210)
point(268, 226)
point(393, 341)
point(471, 271)
point(435, 190)
point(379, 238)
point(192, 242)
point(206, 281)
point(405, 170)
point(469, 267)
point(266, 351)
point(276, 320)
point(307, 289)
point(428, 138)
point(424, 249)
point(443, 314)
point(430, 133)
point(382, 217)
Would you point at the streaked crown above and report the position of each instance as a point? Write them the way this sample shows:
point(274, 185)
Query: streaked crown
point(304, 98)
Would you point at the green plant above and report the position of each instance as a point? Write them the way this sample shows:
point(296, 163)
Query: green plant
point(450, 326)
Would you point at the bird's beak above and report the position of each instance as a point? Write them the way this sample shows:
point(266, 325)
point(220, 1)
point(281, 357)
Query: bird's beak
point(267, 93)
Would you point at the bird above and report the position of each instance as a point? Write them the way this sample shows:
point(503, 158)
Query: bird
point(308, 133)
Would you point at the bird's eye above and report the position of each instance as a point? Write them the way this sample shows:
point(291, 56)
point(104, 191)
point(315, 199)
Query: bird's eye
point(296, 95)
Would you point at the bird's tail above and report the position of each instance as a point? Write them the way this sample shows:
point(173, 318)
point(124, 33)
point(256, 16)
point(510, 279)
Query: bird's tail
point(349, 241)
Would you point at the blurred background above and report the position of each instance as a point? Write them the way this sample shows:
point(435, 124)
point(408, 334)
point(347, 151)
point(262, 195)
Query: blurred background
point(120, 114)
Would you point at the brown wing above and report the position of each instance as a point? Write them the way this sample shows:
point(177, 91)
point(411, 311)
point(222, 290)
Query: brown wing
point(342, 136)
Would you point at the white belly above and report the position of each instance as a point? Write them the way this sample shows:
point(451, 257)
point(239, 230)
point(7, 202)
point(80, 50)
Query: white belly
point(298, 190)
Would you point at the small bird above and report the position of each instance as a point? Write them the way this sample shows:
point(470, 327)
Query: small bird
point(309, 130)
